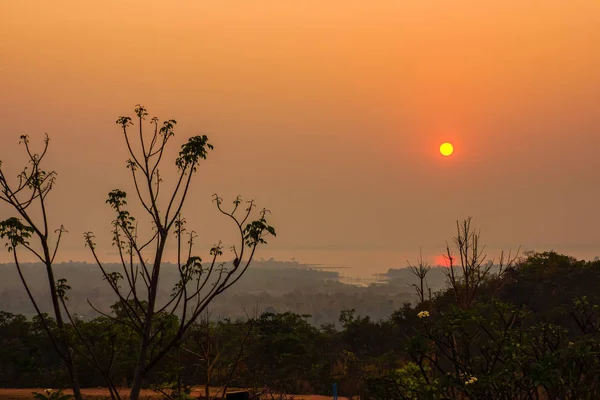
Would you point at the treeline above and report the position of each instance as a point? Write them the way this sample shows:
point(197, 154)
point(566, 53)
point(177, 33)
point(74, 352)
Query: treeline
point(530, 331)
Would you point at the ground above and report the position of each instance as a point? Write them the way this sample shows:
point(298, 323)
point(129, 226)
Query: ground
point(102, 394)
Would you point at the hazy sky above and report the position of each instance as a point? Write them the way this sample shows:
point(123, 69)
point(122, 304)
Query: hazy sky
point(330, 113)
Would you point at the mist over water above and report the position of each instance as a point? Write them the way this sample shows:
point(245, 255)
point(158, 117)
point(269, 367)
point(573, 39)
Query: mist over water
point(364, 264)
point(354, 266)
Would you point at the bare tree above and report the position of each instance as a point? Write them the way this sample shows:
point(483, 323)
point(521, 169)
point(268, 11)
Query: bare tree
point(211, 354)
point(420, 270)
point(200, 282)
point(472, 270)
point(27, 198)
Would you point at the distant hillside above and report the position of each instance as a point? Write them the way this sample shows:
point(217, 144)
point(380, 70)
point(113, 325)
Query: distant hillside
point(268, 285)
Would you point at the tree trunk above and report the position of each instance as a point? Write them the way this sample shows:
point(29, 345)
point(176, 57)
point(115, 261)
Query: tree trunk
point(138, 376)
point(70, 364)
point(73, 375)
point(136, 385)
point(140, 367)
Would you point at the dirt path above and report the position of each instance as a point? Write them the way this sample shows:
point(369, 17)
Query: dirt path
point(102, 394)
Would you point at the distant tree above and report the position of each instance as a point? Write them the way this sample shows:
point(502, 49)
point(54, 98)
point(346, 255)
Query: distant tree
point(283, 355)
point(199, 283)
point(16, 357)
point(420, 271)
point(469, 270)
point(219, 349)
point(27, 199)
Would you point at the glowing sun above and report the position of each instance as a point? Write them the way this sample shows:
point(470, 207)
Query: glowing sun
point(446, 149)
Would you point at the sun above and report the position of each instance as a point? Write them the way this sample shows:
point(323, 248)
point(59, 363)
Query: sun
point(446, 149)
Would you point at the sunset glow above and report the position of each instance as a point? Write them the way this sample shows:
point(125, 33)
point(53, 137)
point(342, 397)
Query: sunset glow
point(441, 260)
point(340, 100)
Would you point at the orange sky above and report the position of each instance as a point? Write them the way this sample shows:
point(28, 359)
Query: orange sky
point(328, 112)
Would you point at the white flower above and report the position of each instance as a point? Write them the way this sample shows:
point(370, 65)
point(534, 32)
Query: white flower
point(423, 314)
point(471, 381)
point(48, 391)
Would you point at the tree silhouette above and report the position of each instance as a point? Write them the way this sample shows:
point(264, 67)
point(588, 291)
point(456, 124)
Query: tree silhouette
point(141, 259)
point(27, 199)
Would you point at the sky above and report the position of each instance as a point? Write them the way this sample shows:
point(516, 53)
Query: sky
point(328, 113)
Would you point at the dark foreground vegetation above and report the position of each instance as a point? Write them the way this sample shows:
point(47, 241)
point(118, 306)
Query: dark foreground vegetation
point(530, 333)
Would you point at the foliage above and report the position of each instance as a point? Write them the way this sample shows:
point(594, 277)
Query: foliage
point(16, 232)
point(50, 394)
point(498, 348)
